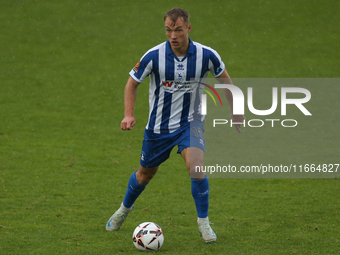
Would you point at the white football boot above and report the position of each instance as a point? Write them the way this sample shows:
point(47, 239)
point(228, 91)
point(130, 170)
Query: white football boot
point(117, 219)
point(206, 231)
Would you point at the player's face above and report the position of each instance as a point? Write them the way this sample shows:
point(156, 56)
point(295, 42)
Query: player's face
point(177, 34)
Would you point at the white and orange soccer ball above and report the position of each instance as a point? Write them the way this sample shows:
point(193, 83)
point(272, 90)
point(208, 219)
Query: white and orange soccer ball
point(148, 236)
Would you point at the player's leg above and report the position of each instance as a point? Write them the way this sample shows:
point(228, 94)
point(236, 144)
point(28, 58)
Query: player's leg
point(199, 182)
point(155, 151)
point(192, 148)
point(200, 191)
point(193, 157)
point(137, 183)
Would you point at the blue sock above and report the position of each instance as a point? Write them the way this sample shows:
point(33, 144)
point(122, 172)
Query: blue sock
point(133, 191)
point(200, 193)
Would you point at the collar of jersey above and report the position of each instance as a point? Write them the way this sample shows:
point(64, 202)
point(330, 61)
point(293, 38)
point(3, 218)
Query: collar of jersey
point(192, 50)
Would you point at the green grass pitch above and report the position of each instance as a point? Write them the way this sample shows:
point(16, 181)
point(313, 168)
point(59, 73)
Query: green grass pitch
point(65, 163)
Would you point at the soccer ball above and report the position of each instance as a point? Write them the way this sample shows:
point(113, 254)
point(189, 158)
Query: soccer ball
point(148, 236)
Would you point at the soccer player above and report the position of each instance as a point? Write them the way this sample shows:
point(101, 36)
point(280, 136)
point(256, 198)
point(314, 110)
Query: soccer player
point(175, 68)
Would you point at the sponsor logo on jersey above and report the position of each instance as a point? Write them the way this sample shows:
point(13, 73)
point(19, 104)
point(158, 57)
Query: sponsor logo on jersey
point(136, 67)
point(177, 85)
point(167, 83)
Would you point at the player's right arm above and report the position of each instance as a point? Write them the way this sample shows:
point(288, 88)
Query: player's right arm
point(130, 95)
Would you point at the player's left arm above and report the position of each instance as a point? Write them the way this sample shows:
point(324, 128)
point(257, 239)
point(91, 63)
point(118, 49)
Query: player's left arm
point(224, 78)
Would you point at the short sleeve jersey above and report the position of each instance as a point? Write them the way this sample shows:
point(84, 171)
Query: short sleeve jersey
point(174, 94)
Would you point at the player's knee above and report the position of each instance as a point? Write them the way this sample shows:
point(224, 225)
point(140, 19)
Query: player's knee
point(144, 176)
point(144, 179)
point(197, 175)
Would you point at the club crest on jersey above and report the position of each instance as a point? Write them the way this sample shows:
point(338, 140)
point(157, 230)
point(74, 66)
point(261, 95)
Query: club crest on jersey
point(179, 76)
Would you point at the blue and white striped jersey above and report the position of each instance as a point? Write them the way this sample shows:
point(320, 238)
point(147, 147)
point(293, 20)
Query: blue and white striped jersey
point(174, 94)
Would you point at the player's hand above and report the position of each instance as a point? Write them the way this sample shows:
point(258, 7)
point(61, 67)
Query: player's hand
point(127, 123)
point(237, 119)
